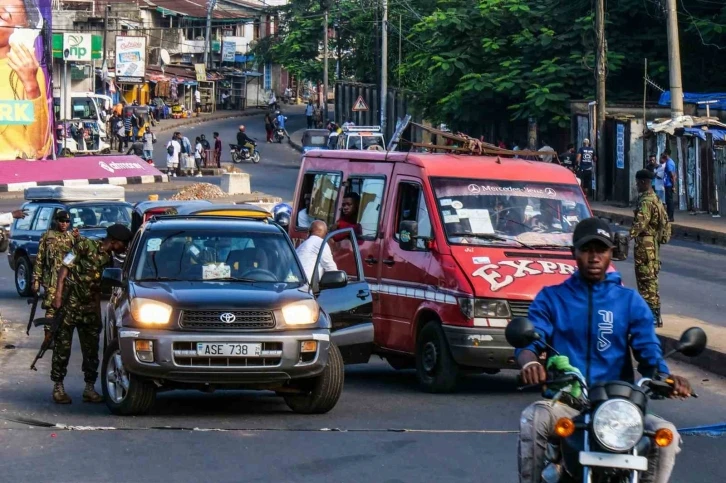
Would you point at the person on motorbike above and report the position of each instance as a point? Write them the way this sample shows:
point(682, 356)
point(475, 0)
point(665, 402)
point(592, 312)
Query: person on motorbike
point(280, 122)
point(596, 322)
point(243, 140)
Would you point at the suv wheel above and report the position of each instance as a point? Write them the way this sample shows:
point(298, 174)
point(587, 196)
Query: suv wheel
point(23, 273)
point(323, 391)
point(437, 371)
point(125, 394)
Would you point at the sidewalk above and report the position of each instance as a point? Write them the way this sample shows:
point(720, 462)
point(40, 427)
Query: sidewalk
point(700, 228)
point(713, 358)
point(296, 139)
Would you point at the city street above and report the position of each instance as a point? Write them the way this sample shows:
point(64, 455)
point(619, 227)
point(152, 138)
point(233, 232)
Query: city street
point(383, 428)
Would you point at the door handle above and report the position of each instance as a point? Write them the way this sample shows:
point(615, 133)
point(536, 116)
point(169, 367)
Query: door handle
point(363, 294)
point(389, 262)
point(370, 260)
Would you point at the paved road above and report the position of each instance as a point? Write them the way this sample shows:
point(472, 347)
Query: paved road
point(467, 436)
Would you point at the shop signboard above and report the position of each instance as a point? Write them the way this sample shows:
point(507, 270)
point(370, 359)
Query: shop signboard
point(228, 51)
point(78, 46)
point(130, 60)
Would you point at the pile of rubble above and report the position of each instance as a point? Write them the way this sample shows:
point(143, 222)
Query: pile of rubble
point(199, 191)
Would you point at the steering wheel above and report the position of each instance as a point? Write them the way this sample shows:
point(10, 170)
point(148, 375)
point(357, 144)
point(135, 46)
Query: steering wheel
point(266, 275)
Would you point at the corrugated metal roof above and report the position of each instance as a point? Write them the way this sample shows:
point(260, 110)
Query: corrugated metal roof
point(228, 10)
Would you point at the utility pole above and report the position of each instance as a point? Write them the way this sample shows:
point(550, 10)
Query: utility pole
point(207, 40)
point(325, 70)
point(384, 68)
point(400, 38)
point(674, 60)
point(601, 70)
point(104, 68)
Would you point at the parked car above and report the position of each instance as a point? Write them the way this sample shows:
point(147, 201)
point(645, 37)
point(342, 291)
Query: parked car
point(145, 210)
point(453, 246)
point(215, 302)
point(90, 217)
point(315, 139)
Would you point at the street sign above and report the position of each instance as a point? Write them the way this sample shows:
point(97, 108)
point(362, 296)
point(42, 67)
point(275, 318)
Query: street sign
point(360, 105)
point(201, 71)
point(78, 45)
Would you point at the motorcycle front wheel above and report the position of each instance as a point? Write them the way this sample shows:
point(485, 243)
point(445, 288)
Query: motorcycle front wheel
point(236, 158)
point(256, 157)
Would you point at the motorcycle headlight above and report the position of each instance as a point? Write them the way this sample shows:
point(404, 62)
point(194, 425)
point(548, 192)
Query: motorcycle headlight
point(485, 308)
point(618, 425)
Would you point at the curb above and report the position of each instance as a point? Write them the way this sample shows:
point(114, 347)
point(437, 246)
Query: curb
point(710, 360)
point(129, 180)
point(680, 231)
point(296, 146)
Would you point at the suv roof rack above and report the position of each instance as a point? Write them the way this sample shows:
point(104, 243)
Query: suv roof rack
point(362, 129)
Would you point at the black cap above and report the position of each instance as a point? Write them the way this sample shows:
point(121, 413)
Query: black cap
point(644, 174)
point(591, 229)
point(62, 215)
point(119, 232)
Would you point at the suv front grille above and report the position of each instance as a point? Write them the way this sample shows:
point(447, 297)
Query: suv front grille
point(185, 354)
point(519, 308)
point(214, 319)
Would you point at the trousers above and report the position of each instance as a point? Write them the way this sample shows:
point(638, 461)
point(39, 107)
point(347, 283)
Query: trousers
point(88, 325)
point(647, 267)
point(670, 207)
point(537, 424)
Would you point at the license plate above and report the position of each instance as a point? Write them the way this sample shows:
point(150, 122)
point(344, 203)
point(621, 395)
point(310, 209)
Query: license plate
point(224, 349)
point(611, 460)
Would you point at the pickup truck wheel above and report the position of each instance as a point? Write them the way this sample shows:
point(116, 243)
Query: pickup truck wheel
point(322, 392)
point(437, 371)
point(22, 276)
point(125, 394)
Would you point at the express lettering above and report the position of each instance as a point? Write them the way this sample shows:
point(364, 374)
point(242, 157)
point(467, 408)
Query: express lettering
point(497, 280)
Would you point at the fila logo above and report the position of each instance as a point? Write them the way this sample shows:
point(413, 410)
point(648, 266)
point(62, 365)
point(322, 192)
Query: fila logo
point(604, 330)
point(603, 232)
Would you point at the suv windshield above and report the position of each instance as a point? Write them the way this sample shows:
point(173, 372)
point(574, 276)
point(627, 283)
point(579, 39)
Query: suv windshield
point(500, 212)
point(99, 216)
point(207, 256)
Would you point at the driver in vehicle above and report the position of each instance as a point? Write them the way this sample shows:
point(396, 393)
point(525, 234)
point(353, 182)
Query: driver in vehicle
point(596, 322)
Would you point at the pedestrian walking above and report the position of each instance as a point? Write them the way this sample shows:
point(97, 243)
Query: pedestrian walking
point(127, 130)
point(173, 150)
point(547, 158)
point(650, 229)
point(78, 291)
point(217, 150)
point(269, 126)
point(185, 159)
point(149, 140)
point(658, 182)
point(669, 183)
point(309, 111)
point(198, 155)
point(569, 157)
point(585, 164)
point(136, 125)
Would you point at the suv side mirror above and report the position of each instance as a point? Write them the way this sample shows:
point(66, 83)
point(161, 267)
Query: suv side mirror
point(333, 279)
point(112, 277)
point(408, 231)
point(620, 251)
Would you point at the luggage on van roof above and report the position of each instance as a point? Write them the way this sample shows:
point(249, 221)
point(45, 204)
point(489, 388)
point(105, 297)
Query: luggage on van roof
point(99, 192)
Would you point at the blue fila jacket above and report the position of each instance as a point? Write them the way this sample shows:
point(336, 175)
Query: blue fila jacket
point(597, 326)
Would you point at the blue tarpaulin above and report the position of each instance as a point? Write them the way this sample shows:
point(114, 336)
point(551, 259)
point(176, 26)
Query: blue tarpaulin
point(691, 98)
point(718, 134)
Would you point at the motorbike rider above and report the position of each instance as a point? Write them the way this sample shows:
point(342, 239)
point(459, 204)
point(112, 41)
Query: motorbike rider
point(563, 316)
point(244, 140)
point(280, 122)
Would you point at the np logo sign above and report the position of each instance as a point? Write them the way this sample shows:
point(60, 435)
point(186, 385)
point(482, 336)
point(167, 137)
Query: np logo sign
point(78, 45)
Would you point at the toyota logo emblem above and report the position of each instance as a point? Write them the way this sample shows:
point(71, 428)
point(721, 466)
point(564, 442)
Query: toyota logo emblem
point(227, 317)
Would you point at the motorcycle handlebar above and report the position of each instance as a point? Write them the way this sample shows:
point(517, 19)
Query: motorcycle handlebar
point(552, 382)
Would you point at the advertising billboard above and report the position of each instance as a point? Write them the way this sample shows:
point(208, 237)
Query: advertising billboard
point(26, 97)
point(130, 60)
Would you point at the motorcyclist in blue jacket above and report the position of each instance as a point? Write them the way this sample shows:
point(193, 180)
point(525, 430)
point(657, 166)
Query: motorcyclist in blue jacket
point(595, 321)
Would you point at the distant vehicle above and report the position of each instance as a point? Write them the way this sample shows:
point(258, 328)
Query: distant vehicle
point(315, 139)
point(90, 217)
point(362, 138)
point(218, 302)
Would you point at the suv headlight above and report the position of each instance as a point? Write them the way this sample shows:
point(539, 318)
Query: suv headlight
point(148, 311)
point(618, 425)
point(484, 308)
point(301, 313)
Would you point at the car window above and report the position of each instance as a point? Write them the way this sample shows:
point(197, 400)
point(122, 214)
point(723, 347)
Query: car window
point(206, 256)
point(319, 196)
point(369, 193)
point(100, 216)
point(412, 207)
point(25, 223)
point(42, 220)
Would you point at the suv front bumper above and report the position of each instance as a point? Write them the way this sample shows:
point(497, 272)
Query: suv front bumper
point(175, 356)
point(483, 347)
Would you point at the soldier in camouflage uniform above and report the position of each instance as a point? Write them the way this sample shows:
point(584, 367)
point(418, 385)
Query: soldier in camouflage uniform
point(54, 245)
point(650, 229)
point(80, 275)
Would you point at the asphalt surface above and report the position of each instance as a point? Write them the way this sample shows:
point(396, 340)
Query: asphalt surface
point(383, 428)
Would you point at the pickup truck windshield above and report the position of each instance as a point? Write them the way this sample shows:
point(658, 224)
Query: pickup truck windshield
point(208, 256)
point(509, 213)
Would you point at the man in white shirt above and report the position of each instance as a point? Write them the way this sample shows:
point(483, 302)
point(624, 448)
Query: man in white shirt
point(198, 100)
point(547, 158)
point(173, 149)
point(304, 219)
point(7, 218)
point(309, 249)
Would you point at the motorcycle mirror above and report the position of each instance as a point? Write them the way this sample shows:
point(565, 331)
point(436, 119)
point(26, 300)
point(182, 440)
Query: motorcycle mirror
point(692, 342)
point(520, 332)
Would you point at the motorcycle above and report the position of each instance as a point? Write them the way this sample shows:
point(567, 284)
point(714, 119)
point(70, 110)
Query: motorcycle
point(239, 155)
point(604, 443)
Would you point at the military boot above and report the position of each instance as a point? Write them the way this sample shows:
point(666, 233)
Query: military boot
point(90, 394)
point(658, 320)
point(59, 394)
